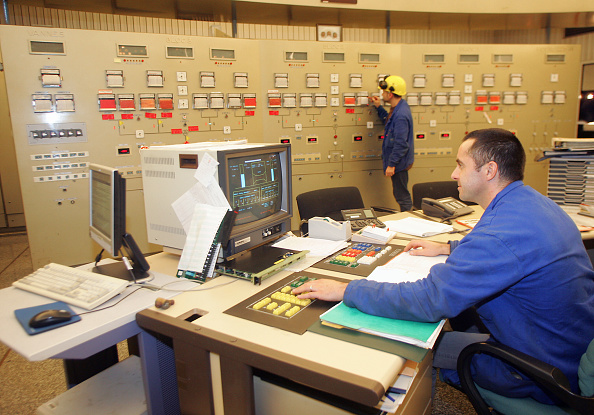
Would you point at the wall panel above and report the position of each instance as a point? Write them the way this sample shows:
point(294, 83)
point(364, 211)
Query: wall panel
point(334, 140)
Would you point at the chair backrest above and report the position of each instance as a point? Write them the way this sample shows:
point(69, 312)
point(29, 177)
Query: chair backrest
point(434, 190)
point(329, 202)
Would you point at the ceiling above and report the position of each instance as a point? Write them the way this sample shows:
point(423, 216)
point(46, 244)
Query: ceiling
point(282, 14)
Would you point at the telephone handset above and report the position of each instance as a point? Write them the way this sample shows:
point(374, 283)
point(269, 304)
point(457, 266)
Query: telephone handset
point(446, 207)
point(361, 218)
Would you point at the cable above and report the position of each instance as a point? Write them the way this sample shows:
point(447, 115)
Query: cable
point(4, 357)
point(98, 257)
point(109, 306)
point(199, 288)
point(154, 287)
point(14, 259)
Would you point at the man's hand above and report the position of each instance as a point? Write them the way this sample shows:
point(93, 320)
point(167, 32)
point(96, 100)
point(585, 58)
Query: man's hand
point(375, 101)
point(327, 290)
point(427, 248)
point(390, 171)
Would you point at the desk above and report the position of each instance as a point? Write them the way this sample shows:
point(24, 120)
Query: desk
point(217, 356)
point(239, 344)
point(93, 334)
point(220, 359)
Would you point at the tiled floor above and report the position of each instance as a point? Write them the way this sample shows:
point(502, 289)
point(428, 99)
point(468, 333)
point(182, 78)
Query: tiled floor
point(25, 385)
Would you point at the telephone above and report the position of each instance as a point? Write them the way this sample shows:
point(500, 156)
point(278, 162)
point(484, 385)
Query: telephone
point(446, 207)
point(361, 218)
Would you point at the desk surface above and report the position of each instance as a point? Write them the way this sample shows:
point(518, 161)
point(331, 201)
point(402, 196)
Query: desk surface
point(224, 292)
point(343, 369)
point(370, 373)
point(95, 332)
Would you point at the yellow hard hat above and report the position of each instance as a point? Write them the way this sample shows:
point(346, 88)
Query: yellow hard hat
point(394, 84)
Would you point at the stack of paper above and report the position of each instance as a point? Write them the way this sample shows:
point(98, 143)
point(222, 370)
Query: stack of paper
point(418, 227)
point(373, 234)
point(318, 250)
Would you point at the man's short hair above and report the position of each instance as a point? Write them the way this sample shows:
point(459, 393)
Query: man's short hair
point(500, 146)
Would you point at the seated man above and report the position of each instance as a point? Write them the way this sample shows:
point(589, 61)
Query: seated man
point(523, 267)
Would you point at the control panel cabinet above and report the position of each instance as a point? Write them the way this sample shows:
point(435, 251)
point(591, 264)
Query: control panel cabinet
point(81, 96)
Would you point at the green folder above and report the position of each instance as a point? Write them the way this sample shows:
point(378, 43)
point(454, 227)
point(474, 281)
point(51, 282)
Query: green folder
point(407, 351)
point(412, 332)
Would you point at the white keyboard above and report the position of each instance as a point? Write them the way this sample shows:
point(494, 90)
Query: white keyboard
point(74, 286)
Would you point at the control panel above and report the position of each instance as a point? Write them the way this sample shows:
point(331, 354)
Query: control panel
point(81, 96)
point(276, 306)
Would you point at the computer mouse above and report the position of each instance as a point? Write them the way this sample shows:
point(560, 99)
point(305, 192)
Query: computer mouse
point(49, 318)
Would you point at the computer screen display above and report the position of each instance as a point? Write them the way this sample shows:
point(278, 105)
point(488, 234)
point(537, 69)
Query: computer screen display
point(257, 183)
point(255, 186)
point(108, 207)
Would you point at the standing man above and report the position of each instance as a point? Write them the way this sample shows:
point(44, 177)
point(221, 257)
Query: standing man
point(523, 266)
point(398, 145)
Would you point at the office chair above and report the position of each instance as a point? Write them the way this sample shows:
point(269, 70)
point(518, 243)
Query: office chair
point(548, 377)
point(328, 202)
point(434, 190)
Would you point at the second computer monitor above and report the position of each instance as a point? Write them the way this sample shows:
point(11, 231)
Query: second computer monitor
point(107, 224)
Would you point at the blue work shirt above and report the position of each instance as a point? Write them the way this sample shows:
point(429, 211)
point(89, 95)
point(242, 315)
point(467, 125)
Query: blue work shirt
point(525, 268)
point(398, 149)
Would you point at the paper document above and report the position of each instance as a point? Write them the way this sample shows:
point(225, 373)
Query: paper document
point(405, 268)
point(418, 227)
point(382, 235)
point(316, 247)
point(205, 224)
point(205, 173)
point(208, 195)
point(318, 250)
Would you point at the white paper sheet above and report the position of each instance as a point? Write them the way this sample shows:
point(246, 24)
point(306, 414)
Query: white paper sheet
point(205, 173)
point(405, 268)
point(205, 223)
point(209, 195)
point(316, 247)
point(418, 227)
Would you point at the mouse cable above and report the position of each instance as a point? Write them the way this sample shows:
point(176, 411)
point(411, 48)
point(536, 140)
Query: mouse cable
point(98, 257)
point(198, 288)
point(153, 288)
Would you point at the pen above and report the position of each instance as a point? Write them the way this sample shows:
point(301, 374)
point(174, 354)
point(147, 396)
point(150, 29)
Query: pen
point(399, 391)
point(459, 231)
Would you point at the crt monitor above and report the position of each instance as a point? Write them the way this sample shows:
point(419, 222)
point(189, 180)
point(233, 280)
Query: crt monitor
point(257, 184)
point(107, 225)
point(255, 178)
